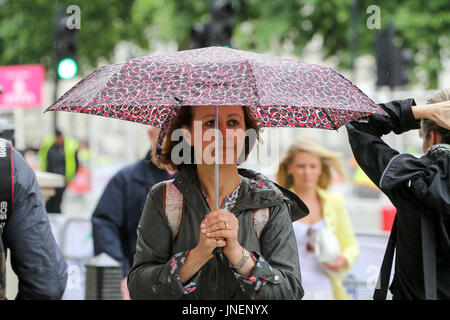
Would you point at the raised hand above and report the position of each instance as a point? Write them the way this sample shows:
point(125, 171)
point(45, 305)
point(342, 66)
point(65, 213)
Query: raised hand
point(437, 112)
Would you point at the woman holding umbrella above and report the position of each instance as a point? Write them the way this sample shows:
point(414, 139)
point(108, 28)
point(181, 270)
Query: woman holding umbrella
point(185, 264)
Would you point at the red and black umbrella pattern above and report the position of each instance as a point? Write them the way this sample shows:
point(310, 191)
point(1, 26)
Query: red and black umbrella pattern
point(281, 92)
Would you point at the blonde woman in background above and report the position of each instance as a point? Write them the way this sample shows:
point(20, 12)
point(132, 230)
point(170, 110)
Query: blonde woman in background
point(306, 169)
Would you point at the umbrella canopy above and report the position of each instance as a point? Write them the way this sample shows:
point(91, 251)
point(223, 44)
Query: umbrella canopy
point(281, 92)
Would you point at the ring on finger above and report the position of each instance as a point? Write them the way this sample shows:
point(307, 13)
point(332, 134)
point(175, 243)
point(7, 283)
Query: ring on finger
point(227, 225)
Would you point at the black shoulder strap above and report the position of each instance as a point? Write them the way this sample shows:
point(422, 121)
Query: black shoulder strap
point(429, 255)
point(428, 258)
point(386, 266)
point(6, 178)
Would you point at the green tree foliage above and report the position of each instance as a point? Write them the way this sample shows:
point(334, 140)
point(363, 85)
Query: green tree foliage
point(26, 27)
point(26, 30)
point(421, 26)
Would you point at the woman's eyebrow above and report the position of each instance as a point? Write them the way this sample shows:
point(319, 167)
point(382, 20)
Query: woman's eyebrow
point(208, 115)
point(228, 116)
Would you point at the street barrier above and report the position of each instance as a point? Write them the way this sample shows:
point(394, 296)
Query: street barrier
point(361, 281)
point(74, 237)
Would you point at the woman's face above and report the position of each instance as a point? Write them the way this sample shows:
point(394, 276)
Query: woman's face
point(232, 133)
point(305, 169)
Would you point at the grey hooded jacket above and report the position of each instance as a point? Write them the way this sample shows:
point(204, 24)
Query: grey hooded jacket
point(155, 273)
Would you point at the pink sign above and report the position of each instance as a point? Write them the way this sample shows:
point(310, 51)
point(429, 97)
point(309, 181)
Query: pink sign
point(21, 86)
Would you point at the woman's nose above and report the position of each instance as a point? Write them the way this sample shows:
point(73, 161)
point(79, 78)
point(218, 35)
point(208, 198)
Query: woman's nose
point(223, 129)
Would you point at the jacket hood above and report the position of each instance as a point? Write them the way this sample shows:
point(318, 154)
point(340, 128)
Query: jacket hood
point(267, 193)
point(428, 177)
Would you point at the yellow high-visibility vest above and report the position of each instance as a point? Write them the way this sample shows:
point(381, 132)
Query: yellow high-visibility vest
point(70, 148)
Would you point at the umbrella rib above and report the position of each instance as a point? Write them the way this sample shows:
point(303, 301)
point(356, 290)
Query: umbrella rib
point(329, 119)
point(252, 74)
point(254, 80)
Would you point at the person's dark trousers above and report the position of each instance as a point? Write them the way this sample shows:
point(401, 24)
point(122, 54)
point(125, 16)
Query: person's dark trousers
point(53, 204)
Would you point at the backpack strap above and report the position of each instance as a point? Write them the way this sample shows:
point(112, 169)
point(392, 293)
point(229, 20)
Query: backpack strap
point(173, 206)
point(7, 183)
point(428, 258)
point(381, 289)
point(429, 255)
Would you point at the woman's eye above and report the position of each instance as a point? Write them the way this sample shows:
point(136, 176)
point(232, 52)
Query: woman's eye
point(211, 123)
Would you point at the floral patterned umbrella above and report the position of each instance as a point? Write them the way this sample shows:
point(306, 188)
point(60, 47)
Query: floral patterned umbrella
point(281, 92)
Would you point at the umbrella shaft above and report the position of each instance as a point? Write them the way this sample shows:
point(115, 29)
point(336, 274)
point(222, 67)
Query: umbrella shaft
point(216, 153)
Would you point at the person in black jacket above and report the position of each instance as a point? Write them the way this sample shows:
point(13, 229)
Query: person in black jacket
point(116, 217)
point(420, 190)
point(35, 257)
